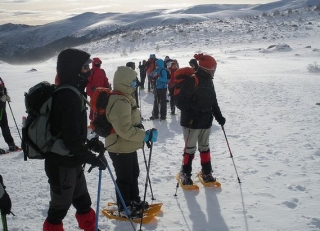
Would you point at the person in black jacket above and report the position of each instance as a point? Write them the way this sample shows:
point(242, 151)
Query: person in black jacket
point(4, 98)
point(142, 68)
point(5, 201)
point(65, 173)
point(198, 107)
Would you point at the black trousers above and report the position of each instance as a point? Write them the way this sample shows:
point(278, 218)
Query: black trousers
point(5, 127)
point(142, 79)
point(160, 97)
point(172, 103)
point(127, 170)
point(68, 187)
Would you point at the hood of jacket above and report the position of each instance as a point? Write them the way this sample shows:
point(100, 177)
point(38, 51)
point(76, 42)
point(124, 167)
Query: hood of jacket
point(96, 61)
point(123, 78)
point(69, 65)
point(160, 63)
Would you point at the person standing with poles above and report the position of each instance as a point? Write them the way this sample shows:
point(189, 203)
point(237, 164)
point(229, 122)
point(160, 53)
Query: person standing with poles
point(128, 136)
point(4, 97)
point(198, 104)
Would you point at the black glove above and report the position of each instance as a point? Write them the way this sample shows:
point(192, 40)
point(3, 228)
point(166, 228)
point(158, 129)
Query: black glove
point(221, 120)
point(98, 161)
point(5, 201)
point(95, 144)
point(5, 204)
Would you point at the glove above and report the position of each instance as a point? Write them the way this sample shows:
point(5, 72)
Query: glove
point(154, 135)
point(3, 98)
point(95, 144)
point(5, 204)
point(221, 120)
point(8, 98)
point(5, 201)
point(98, 161)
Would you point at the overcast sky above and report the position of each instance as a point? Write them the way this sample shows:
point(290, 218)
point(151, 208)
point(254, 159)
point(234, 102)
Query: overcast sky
point(38, 12)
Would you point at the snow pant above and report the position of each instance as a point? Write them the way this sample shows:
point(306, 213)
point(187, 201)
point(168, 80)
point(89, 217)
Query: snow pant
point(150, 83)
point(4, 126)
point(68, 187)
point(142, 79)
point(127, 170)
point(191, 138)
point(136, 96)
point(172, 103)
point(160, 97)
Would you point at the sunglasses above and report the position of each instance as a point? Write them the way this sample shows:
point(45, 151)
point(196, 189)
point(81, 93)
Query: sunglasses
point(86, 67)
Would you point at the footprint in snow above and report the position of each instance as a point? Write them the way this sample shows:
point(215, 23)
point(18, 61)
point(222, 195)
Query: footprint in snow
point(314, 223)
point(291, 204)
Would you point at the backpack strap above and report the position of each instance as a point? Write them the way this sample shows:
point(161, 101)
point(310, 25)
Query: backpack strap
point(84, 101)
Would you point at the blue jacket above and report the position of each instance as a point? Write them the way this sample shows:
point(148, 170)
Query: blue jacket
point(161, 81)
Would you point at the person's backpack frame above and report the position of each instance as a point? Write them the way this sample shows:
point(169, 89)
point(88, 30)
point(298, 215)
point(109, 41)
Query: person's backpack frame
point(37, 139)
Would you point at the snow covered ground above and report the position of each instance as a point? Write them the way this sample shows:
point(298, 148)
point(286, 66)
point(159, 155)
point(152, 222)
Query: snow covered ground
point(268, 97)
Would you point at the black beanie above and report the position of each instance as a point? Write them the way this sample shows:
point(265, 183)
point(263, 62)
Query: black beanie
point(69, 64)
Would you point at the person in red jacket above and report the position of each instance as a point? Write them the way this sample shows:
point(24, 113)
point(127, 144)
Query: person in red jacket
point(98, 78)
point(173, 67)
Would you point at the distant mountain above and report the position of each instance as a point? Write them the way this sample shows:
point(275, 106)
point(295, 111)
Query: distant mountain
point(26, 44)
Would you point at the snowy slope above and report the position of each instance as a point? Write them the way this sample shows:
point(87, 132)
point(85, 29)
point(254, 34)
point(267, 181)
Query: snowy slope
point(268, 97)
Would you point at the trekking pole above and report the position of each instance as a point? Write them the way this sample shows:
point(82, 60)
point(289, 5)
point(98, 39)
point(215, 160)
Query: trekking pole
point(145, 162)
point(231, 153)
point(4, 222)
point(98, 195)
point(150, 144)
point(117, 190)
point(184, 150)
point(14, 120)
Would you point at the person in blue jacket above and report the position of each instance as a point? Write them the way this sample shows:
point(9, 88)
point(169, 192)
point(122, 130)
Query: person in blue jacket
point(160, 94)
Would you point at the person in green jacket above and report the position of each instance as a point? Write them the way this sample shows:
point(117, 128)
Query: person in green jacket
point(128, 136)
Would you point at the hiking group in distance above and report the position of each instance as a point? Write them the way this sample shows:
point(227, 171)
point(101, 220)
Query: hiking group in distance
point(115, 116)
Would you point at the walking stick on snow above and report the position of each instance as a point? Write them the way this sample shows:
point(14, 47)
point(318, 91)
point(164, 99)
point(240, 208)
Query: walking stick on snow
point(230, 153)
point(14, 120)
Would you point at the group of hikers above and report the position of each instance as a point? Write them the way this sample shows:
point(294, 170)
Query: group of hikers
point(196, 100)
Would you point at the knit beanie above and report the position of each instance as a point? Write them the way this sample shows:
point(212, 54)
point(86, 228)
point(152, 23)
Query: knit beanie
point(206, 61)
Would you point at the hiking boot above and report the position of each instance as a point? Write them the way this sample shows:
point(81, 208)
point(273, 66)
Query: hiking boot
point(185, 180)
point(13, 147)
point(208, 178)
point(163, 118)
point(133, 213)
point(173, 113)
point(140, 205)
point(154, 118)
point(2, 151)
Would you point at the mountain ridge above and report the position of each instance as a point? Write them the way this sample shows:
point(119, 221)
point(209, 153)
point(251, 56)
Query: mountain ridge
point(26, 44)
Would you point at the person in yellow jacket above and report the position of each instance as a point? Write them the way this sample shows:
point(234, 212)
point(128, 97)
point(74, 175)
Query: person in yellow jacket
point(128, 136)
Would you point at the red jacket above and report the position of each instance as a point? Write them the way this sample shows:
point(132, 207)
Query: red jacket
point(172, 69)
point(97, 78)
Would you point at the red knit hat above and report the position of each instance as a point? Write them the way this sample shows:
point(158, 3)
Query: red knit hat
point(206, 61)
